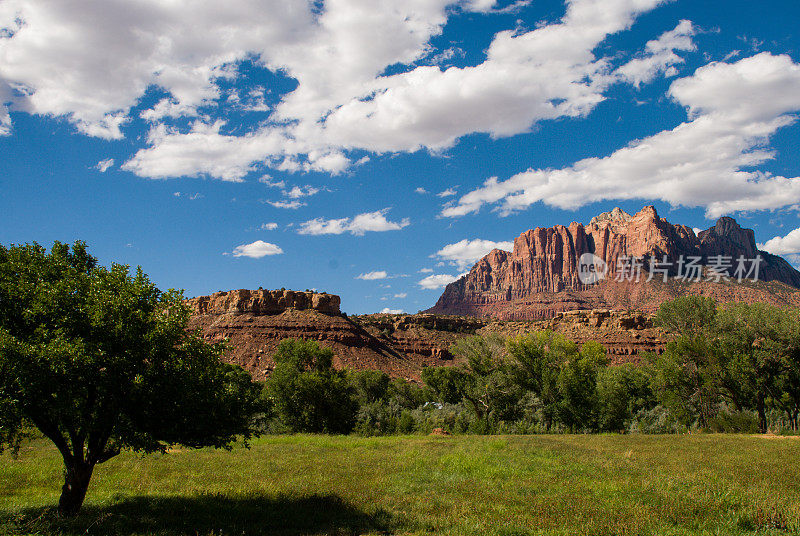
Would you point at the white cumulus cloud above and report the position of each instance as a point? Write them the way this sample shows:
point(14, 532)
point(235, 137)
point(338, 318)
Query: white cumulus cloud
point(386, 310)
point(465, 253)
point(372, 276)
point(783, 245)
point(103, 165)
point(706, 161)
point(660, 55)
point(256, 250)
point(298, 192)
point(437, 281)
point(358, 225)
point(291, 205)
point(270, 182)
point(268, 226)
point(92, 61)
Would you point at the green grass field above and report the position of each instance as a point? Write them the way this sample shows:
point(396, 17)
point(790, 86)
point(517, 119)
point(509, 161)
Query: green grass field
point(507, 485)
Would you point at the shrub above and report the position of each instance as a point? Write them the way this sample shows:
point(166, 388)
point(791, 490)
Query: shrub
point(733, 421)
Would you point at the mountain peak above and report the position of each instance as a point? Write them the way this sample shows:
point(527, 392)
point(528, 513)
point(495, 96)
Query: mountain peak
point(544, 274)
point(727, 237)
point(617, 215)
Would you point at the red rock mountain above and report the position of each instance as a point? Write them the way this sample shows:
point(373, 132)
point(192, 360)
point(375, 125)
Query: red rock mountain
point(541, 276)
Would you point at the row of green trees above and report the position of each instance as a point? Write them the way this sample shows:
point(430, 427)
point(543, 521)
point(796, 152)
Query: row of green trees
point(732, 368)
point(740, 356)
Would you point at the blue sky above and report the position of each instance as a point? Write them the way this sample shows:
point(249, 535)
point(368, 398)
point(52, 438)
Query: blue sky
point(374, 149)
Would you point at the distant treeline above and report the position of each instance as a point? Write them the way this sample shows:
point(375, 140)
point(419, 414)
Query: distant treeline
point(733, 368)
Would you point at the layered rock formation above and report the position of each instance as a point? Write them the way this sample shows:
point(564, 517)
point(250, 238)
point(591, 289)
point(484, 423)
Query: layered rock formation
point(537, 286)
point(255, 321)
point(625, 335)
point(423, 335)
point(541, 276)
point(264, 302)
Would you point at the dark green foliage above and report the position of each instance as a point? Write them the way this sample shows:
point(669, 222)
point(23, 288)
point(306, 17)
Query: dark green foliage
point(656, 420)
point(745, 355)
point(386, 407)
point(100, 360)
point(687, 315)
point(539, 357)
point(686, 378)
point(723, 370)
point(376, 418)
point(578, 406)
point(623, 391)
point(737, 422)
point(448, 383)
point(407, 424)
point(760, 349)
point(309, 395)
point(370, 385)
point(561, 376)
point(487, 383)
point(406, 394)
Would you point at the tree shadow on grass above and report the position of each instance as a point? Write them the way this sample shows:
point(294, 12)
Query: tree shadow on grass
point(203, 515)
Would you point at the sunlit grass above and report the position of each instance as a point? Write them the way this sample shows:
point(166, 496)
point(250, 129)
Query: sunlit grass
point(507, 485)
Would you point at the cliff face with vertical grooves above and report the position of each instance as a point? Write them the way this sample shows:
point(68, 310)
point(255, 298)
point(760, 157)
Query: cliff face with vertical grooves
point(541, 275)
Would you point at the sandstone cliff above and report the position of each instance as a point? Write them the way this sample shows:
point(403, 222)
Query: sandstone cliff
point(255, 321)
point(540, 277)
point(264, 302)
point(625, 335)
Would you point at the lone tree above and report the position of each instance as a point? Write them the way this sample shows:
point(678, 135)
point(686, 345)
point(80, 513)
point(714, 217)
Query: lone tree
point(100, 360)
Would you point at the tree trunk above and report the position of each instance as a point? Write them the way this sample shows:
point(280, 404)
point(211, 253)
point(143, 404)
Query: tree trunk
point(73, 492)
point(762, 415)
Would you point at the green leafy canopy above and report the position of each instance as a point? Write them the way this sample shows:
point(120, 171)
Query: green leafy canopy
point(99, 360)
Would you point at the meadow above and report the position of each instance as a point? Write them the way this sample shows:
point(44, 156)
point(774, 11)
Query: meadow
point(497, 485)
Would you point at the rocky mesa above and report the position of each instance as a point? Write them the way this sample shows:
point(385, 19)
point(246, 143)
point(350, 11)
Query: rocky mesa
point(541, 276)
point(255, 321)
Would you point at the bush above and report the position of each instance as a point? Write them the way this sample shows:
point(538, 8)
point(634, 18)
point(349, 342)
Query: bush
point(732, 421)
point(407, 424)
point(720, 369)
point(376, 418)
point(370, 385)
point(658, 420)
